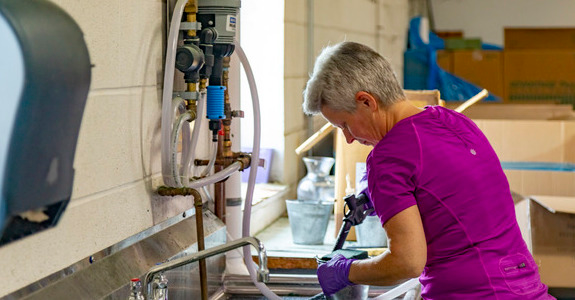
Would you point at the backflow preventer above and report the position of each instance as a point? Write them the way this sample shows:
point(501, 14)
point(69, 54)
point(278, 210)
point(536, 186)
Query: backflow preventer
point(201, 58)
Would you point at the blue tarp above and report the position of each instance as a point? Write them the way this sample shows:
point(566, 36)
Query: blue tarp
point(421, 68)
point(538, 166)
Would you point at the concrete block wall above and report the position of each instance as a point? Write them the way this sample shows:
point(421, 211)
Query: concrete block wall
point(118, 151)
point(117, 159)
point(380, 24)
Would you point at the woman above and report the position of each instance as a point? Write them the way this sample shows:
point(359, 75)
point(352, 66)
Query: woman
point(434, 181)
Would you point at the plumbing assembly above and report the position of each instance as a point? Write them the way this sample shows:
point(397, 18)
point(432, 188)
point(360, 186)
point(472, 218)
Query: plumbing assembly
point(202, 54)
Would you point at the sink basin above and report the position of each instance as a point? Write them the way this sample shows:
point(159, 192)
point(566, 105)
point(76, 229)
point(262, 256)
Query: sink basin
point(289, 287)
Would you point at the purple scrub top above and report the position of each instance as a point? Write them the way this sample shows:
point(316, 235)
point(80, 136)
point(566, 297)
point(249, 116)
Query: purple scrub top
point(440, 161)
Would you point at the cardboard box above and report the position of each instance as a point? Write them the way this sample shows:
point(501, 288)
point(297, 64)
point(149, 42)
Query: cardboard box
point(445, 60)
point(515, 111)
point(548, 227)
point(483, 68)
point(536, 76)
point(548, 143)
point(541, 182)
point(449, 34)
point(531, 140)
point(539, 38)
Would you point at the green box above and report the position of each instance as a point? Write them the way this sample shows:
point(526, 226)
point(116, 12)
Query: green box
point(461, 44)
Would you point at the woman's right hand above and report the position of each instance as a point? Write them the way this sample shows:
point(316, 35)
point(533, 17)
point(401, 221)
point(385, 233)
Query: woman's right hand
point(333, 275)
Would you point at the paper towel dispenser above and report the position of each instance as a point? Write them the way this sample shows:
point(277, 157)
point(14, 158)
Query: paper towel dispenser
point(44, 82)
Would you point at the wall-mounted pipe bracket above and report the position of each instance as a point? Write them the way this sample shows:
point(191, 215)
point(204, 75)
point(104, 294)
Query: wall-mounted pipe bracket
point(190, 26)
point(187, 95)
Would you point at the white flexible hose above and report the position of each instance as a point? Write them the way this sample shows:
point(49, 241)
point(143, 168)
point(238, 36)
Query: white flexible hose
point(188, 162)
point(210, 165)
point(167, 112)
point(179, 106)
point(212, 161)
point(399, 290)
point(221, 175)
point(253, 172)
point(180, 121)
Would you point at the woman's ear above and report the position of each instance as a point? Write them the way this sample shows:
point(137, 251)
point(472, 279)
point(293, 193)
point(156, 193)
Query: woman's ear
point(367, 100)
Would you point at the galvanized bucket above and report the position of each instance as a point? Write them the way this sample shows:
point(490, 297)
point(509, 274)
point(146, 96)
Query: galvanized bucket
point(308, 220)
point(370, 233)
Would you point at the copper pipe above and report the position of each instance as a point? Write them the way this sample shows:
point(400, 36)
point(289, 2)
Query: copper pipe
point(225, 153)
point(219, 187)
point(198, 205)
point(227, 122)
point(201, 246)
point(243, 158)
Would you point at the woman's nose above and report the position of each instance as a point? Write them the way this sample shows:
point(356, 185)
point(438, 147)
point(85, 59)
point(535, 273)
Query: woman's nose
point(348, 138)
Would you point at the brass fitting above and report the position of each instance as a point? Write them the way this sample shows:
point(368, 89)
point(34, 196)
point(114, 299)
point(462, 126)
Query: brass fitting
point(203, 83)
point(191, 9)
point(192, 109)
point(192, 87)
point(191, 105)
point(245, 159)
point(242, 157)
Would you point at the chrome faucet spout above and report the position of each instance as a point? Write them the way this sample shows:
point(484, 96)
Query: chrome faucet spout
point(263, 272)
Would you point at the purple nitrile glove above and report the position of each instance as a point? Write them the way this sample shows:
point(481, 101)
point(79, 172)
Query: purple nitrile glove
point(333, 275)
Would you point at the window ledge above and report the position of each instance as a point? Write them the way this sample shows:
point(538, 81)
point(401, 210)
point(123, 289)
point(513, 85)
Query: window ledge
point(268, 204)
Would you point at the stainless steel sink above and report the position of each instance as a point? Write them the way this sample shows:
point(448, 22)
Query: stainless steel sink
point(287, 286)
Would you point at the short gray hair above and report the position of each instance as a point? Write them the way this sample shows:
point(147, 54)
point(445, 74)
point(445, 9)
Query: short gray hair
point(344, 69)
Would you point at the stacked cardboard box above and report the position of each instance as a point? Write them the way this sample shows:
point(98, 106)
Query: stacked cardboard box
point(539, 64)
point(546, 212)
point(539, 141)
point(547, 225)
point(483, 68)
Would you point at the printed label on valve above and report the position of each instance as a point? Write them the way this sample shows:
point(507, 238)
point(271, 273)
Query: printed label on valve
point(231, 23)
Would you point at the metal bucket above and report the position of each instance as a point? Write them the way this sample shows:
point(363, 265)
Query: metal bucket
point(308, 220)
point(370, 233)
point(352, 292)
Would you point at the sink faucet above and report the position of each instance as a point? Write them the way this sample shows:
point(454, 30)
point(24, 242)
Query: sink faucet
point(263, 272)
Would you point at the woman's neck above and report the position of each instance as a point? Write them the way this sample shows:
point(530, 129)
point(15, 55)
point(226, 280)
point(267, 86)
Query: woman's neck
point(400, 111)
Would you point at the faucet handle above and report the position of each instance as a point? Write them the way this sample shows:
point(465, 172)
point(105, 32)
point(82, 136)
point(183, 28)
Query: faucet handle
point(135, 289)
point(160, 287)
